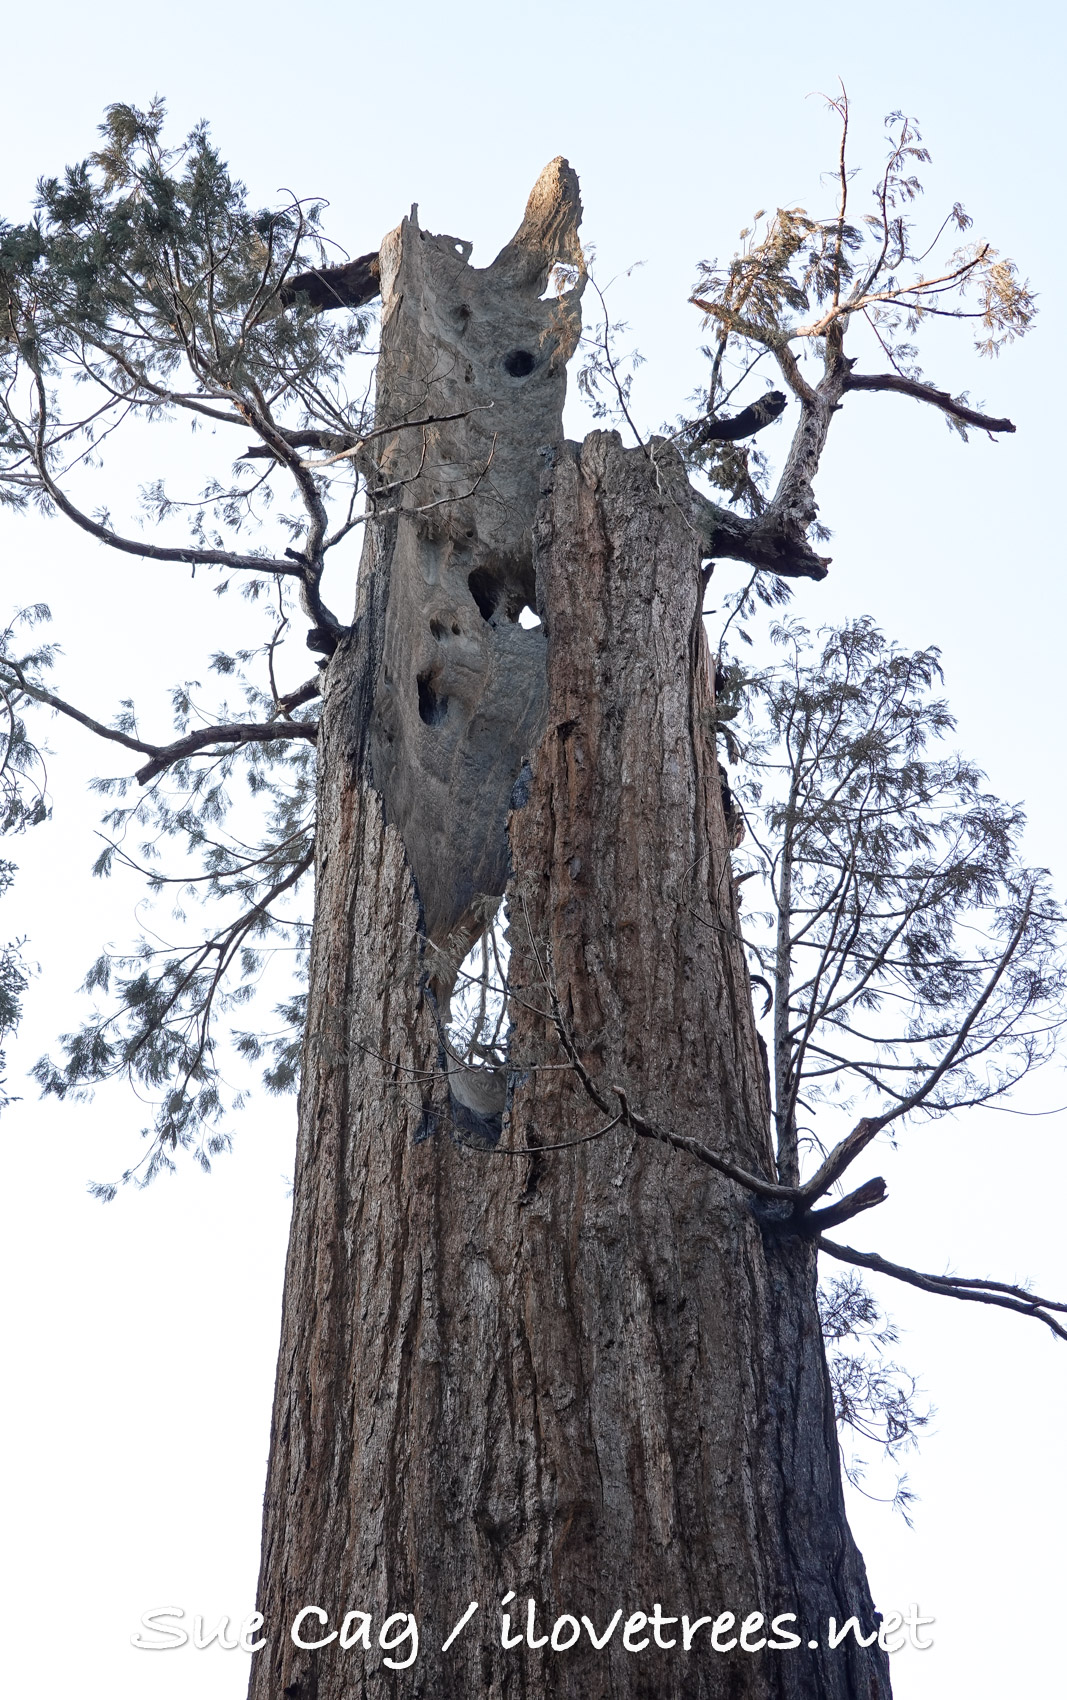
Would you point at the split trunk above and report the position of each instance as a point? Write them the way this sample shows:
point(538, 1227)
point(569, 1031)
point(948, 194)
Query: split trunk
point(584, 1376)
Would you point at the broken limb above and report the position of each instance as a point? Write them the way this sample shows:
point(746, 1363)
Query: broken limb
point(751, 419)
point(326, 288)
point(765, 542)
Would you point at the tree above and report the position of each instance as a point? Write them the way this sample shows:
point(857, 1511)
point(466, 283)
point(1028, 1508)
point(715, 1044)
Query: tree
point(912, 957)
point(909, 958)
point(550, 1323)
point(22, 804)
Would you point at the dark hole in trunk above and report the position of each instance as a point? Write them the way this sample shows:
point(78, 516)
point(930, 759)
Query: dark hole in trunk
point(519, 363)
point(432, 708)
point(486, 590)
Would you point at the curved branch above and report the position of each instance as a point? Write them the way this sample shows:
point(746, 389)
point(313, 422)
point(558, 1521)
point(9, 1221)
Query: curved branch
point(865, 1197)
point(756, 1184)
point(899, 385)
point(327, 441)
point(156, 551)
point(50, 700)
point(979, 1292)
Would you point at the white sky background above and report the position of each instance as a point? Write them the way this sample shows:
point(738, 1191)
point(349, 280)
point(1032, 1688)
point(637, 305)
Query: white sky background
point(141, 1337)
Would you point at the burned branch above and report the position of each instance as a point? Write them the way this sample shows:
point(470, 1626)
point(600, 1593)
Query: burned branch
point(756, 417)
point(354, 284)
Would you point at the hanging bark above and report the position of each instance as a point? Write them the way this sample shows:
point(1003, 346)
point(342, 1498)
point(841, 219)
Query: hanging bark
point(587, 1376)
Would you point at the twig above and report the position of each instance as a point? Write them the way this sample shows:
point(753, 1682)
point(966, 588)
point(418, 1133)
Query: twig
point(310, 689)
point(535, 1150)
point(853, 1143)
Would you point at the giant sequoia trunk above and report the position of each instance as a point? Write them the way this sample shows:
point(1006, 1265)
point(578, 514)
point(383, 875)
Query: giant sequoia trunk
point(584, 1376)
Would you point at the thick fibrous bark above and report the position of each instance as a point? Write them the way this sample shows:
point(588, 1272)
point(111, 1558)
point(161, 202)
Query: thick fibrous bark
point(589, 1376)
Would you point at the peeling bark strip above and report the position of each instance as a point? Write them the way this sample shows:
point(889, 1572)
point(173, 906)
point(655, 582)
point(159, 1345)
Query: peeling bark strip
point(587, 1378)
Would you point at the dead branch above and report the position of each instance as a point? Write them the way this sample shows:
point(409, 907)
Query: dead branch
point(639, 1124)
point(338, 445)
point(840, 1158)
point(306, 692)
point(865, 1197)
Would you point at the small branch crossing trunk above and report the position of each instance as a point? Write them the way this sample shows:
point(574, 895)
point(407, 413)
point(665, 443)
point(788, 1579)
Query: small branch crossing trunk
point(587, 1377)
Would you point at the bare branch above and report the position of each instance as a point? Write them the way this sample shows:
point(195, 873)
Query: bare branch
point(306, 692)
point(346, 445)
point(900, 385)
point(354, 447)
point(639, 1124)
point(864, 1197)
point(703, 1153)
point(762, 543)
point(536, 1150)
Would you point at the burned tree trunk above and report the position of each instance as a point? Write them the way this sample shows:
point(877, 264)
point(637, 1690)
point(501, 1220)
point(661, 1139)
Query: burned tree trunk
point(585, 1377)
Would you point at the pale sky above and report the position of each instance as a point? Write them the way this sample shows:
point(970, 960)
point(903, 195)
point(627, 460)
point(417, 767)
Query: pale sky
point(142, 1336)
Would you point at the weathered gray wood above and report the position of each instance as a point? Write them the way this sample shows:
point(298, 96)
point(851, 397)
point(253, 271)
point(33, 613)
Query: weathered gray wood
point(460, 693)
point(585, 1375)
